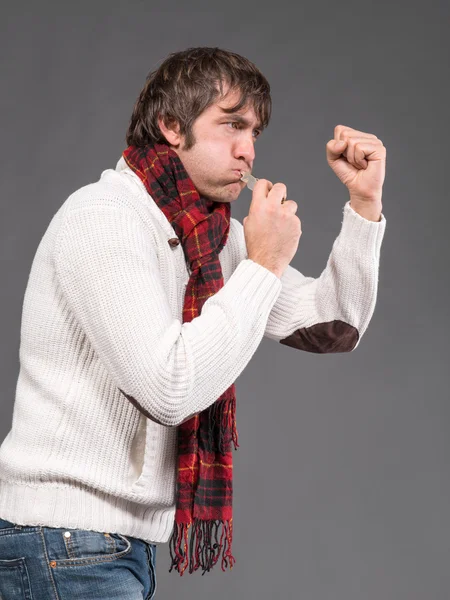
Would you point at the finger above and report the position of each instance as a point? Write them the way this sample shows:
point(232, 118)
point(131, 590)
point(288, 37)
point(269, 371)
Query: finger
point(341, 131)
point(334, 149)
point(370, 151)
point(260, 192)
point(278, 191)
point(366, 152)
point(263, 184)
point(359, 156)
point(344, 147)
point(352, 142)
point(290, 205)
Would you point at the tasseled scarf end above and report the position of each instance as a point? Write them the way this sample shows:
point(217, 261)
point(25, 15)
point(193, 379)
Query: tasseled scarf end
point(206, 554)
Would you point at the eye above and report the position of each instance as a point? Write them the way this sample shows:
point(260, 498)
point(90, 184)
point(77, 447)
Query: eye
point(237, 125)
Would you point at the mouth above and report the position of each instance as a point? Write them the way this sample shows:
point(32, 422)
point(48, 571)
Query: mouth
point(238, 174)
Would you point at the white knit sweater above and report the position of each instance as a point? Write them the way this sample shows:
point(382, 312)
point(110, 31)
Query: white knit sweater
point(102, 324)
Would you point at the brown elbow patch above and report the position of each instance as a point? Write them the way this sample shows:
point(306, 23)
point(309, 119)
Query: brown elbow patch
point(322, 338)
point(136, 404)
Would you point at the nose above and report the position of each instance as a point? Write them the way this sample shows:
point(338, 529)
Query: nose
point(245, 150)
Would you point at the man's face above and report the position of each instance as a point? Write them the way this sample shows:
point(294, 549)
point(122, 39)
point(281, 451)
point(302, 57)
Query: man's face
point(224, 145)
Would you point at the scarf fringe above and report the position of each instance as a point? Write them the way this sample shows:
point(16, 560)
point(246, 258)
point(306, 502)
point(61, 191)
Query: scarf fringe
point(206, 554)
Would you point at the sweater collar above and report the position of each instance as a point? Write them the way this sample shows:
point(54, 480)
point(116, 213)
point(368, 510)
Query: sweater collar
point(122, 166)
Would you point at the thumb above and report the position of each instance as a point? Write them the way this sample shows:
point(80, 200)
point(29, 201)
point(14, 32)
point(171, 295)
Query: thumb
point(336, 146)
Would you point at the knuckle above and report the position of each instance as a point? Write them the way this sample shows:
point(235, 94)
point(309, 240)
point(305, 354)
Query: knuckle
point(280, 186)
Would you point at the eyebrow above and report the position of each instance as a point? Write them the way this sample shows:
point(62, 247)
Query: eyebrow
point(240, 119)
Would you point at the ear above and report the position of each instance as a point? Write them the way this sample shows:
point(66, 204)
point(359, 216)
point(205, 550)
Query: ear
point(170, 130)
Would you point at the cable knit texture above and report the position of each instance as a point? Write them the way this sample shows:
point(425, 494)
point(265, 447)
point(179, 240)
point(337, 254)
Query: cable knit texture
point(102, 315)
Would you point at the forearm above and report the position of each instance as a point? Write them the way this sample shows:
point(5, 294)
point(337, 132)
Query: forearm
point(345, 293)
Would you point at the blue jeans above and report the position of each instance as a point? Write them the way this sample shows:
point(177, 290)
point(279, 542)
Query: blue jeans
point(47, 563)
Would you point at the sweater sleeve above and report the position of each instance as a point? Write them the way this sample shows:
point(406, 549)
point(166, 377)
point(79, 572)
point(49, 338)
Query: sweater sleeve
point(107, 267)
point(331, 313)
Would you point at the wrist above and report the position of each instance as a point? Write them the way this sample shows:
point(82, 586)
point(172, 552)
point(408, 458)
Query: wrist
point(368, 209)
point(264, 264)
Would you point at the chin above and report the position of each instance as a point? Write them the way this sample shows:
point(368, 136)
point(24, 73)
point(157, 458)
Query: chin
point(226, 195)
point(229, 198)
point(232, 196)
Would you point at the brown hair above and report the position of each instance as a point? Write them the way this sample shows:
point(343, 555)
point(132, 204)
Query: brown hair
point(187, 83)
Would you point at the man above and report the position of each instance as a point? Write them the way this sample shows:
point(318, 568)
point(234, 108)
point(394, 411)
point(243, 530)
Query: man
point(145, 302)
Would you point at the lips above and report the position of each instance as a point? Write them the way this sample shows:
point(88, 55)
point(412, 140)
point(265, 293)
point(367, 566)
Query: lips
point(238, 173)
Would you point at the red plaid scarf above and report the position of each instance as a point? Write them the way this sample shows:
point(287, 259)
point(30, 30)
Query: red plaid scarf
point(205, 462)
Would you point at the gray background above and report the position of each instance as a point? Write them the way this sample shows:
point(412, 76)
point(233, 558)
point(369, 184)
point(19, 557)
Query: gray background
point(342, 486)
